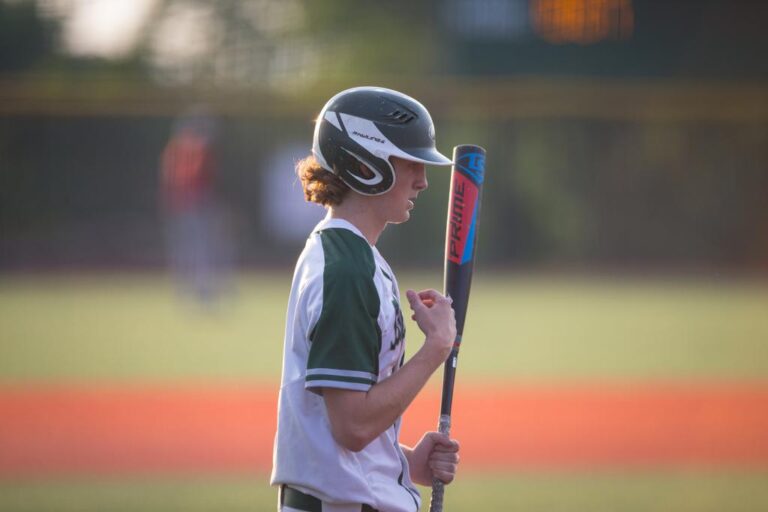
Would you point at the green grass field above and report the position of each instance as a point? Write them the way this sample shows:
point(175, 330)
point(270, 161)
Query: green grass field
point(612, 492)
point(135, 328)
point(126, 329)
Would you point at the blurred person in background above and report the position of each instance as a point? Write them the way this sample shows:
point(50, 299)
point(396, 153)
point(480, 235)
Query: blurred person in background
point(198, 248)
point(345, 382)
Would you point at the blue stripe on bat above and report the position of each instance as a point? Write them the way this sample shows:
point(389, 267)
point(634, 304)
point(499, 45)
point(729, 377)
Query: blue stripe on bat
point(469, 248)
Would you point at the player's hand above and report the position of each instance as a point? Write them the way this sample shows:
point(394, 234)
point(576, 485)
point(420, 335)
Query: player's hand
point(434, 456)
point(435, 317)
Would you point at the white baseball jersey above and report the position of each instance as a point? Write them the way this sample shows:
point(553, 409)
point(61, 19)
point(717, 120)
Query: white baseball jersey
point(345, 330)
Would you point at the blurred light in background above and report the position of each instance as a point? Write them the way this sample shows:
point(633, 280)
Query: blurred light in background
point(104, 28)
point(582, 21)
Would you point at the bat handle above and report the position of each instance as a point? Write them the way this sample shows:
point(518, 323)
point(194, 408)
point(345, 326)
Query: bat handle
point(438, 487)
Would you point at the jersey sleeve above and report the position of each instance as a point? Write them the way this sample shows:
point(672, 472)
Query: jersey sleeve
point(346, 340)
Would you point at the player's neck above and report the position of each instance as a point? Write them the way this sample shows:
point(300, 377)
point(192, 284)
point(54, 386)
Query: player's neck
point(357, 211)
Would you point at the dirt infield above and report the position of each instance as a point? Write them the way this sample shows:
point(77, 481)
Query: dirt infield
point(187, 430)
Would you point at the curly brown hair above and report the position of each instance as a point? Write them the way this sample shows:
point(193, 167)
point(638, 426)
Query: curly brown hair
point(320, 186)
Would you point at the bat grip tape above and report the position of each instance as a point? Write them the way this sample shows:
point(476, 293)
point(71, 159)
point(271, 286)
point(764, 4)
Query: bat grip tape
point(438, 487)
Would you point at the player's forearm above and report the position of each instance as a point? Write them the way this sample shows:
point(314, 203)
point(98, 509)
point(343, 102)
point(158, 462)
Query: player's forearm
point(359, 418)
point(389, 399)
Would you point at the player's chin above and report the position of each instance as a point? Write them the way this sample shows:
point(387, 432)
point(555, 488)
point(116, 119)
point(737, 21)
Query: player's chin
point(403, 217)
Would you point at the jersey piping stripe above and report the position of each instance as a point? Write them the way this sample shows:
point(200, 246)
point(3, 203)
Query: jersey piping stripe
point(342, 373)
point(338, 384)
point(413, 493)
point(339, 378)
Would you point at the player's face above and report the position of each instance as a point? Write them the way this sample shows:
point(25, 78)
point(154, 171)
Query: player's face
point(410, 180)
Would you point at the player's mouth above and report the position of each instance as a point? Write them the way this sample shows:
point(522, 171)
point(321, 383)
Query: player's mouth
point(412, 203)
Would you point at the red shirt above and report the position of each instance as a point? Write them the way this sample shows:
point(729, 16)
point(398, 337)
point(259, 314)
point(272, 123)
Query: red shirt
point(187, 171)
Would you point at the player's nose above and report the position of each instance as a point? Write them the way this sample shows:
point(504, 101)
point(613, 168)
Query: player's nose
point(421, 183)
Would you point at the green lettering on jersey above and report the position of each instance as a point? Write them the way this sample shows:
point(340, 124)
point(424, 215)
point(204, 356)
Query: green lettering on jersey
point(399, 326)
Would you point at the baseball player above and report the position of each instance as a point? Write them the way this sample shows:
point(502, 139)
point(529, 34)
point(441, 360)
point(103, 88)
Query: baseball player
point(196, 243)
point(345, 382)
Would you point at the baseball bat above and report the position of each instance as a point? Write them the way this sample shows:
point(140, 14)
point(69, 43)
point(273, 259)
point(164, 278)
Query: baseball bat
point(467, 176)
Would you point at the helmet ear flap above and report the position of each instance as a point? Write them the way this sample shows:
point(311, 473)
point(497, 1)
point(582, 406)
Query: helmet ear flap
point(376, 177)
point(364, 171)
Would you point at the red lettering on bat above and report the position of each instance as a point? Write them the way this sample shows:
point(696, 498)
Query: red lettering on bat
point(461, 207)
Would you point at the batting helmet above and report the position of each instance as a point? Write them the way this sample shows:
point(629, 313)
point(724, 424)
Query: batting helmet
point(368, 125)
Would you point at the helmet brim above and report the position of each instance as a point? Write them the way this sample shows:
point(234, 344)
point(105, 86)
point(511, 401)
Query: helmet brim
point(429, 156)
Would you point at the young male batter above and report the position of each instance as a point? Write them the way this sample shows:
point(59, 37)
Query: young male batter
point(345, 381)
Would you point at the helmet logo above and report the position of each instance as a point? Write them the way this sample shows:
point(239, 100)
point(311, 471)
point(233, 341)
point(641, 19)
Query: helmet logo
point(377, 176)
point(369, 137)
point(432, 131)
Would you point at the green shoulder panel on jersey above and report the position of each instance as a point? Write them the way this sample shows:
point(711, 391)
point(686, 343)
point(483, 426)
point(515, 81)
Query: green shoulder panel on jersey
point(346, 340)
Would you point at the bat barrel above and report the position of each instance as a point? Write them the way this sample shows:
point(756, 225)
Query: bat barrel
point(461, 228)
